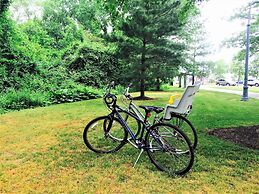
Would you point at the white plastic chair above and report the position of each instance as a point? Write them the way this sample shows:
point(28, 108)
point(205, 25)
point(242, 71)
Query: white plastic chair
point(184, 105)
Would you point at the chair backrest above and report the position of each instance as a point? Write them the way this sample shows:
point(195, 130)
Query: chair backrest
point(184, 104)
point(186, 99)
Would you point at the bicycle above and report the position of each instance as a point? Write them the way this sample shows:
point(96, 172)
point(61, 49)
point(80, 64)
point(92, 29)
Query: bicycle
point(168, 148)
point(178, 120)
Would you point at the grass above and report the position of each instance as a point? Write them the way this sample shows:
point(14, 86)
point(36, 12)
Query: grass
point(42, 151)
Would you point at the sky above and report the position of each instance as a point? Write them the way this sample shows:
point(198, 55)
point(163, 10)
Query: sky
point(216, 14)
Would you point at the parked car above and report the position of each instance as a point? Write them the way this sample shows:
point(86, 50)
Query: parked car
point(224, 82)
point(240, 82)
point(253, 82)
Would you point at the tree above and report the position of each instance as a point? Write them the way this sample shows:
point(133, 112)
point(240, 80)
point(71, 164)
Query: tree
point(239, 40)
point(197, 47)
point(237, 65)
point(219, 69)
point(164, 66)
point(148, 29)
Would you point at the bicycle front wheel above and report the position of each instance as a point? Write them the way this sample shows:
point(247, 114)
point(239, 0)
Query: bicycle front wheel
point(185, 126)
point(104, 135)
point(169, 149)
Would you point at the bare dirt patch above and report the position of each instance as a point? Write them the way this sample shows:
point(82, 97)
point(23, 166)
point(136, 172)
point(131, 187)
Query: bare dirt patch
point(246, 136)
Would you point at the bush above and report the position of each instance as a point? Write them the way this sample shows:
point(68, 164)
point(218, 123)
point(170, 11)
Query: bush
point(73, 93)
point(24, 98)
point(91, 67)
point(165, 87)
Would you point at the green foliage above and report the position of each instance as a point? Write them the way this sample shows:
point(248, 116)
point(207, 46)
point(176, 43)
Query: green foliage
point(67, 50)
point(239, 40)
point(196, 47)
point(15, 64)
point(73, 93)
point(3, 6)
point(147, 45)
point(21, 99)
point(237, 65)
point(93, 68)
point(219, 69)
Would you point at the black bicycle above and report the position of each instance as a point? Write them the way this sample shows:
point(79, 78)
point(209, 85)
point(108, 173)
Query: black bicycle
point(168, 148)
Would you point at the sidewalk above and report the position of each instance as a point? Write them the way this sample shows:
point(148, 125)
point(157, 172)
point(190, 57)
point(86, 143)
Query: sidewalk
point(240, 93)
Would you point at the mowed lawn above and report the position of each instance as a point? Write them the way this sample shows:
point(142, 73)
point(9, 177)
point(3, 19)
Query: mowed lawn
point(42, 151)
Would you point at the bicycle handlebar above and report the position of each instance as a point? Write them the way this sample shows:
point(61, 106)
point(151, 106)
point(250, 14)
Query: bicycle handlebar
point(110, 99)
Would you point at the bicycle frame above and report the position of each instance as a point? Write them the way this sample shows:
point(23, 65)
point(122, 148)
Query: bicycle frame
point(137, 115)
point(145, 125)
point(140, 116)
point(135, 109)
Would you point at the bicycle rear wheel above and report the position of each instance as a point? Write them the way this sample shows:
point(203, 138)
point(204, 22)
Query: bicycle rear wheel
point(104, 135)
point(185, 126)
point(169, 149)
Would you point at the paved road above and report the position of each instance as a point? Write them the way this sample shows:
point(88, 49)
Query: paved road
point(250, 94)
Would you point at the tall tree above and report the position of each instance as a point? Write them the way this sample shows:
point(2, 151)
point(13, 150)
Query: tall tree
point(148, 29)
point(4, 43)
point(194, 37)
point(237, 65)
point(219, 69)
point(239, 40)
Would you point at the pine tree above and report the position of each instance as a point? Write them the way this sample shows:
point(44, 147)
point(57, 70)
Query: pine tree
point(150, 26)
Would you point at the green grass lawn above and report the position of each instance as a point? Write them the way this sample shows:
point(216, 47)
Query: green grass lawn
point(42, 151)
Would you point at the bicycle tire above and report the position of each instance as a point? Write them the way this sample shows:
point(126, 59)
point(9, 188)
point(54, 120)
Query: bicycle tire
point(165, 149)
point(106, 130)
point(185, 126)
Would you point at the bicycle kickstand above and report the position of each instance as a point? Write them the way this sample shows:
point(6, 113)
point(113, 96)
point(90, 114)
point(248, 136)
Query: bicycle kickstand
point(141, 151)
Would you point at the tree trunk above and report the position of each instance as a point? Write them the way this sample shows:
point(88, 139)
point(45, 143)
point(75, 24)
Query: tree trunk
point(193, 79)
point(180, 81)
point(142, 71)
point(184, 81)
point(157, 84)
point(142, 84)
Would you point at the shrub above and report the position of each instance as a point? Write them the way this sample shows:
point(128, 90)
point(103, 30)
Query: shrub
point(24, 98)
point(73, 93)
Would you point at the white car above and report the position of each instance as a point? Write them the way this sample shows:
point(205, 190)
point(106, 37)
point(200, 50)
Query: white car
point(223, 82)
point(253, 82)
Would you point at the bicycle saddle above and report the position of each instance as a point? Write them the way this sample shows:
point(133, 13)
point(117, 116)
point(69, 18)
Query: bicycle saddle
point(152, 108)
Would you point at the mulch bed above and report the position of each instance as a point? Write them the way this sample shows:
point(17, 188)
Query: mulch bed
point(246, 136)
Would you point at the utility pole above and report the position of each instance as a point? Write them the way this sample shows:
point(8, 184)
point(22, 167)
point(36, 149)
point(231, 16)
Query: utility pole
point(245, 87)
